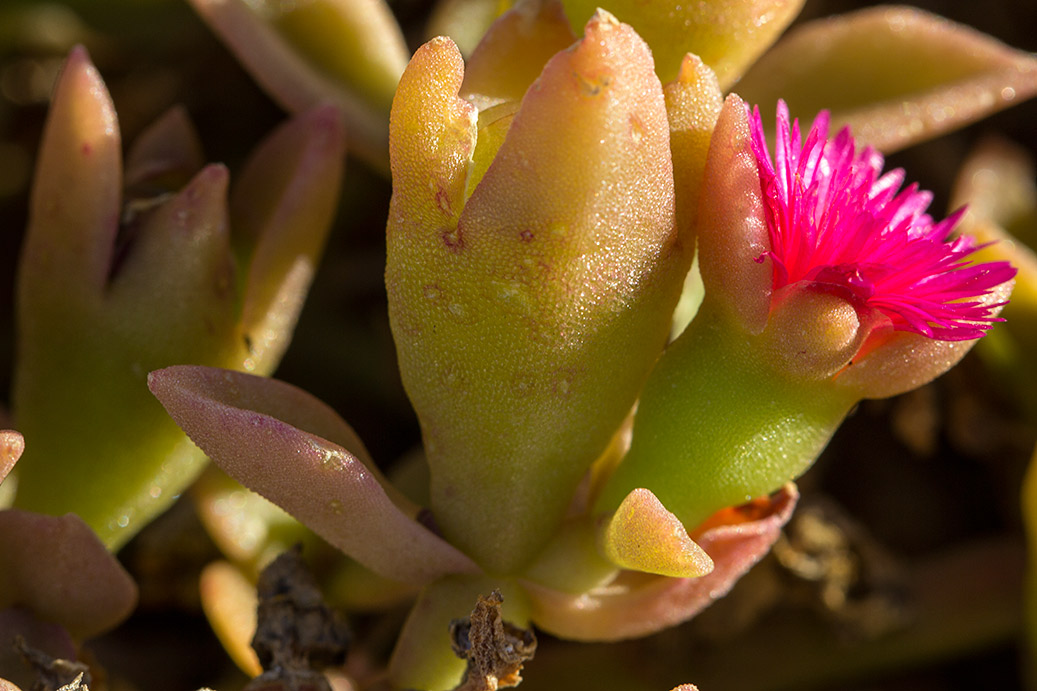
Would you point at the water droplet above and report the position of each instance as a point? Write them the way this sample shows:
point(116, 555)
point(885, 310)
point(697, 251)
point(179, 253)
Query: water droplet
point(331, 460)
point(336, 506)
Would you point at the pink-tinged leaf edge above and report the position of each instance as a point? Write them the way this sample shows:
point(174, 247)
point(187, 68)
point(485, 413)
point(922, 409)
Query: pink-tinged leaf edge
point(255, 430)
point(637, 604)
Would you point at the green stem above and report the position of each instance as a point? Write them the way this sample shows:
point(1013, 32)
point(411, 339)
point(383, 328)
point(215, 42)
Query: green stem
point(720, 422)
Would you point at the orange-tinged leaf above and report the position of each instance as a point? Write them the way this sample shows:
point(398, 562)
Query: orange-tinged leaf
point(433, 134)
point(229, 600)
point(693, 104)
point(732, 232)
point(643, 536)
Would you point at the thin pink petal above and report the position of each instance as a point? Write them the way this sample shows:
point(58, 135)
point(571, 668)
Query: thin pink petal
point(837, 225)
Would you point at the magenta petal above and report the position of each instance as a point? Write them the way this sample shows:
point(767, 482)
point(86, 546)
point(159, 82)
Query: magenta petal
point(264, 434)
point(637, 605)
point(836, 225)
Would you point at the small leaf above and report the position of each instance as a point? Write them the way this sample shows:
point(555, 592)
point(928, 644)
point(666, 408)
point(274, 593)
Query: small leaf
point(164, 156)
point(76, 196)
point(731, 229)
point(643, 536)
point(433, 135)
point(282, 206)
point(514, 51)
point(229, 600)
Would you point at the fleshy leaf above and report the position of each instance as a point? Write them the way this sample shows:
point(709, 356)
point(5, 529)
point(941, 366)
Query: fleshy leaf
point(464, 21)
point(643, 536)
point(192, 226)
point(105, 297)
point(346, 52)
point(76, 196)
point(895, 75)
point(229, 600)
point(282, 205)
point(693, 104)
point(88, 416)
point(638, 604)
point(526, 327)
point(727, 34)
point(56, 567)
point(433, 138)
point(514, 51)
point(324, 483)
point(731, 229)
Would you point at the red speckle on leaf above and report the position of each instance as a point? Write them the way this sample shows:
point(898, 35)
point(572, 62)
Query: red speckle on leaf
point(453, 238)
point(443, 201)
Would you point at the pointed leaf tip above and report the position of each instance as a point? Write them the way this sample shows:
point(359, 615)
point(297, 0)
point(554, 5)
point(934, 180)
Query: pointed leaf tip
point(76, 192)
point(636, 605)
point(643, 536)
point(12, 445)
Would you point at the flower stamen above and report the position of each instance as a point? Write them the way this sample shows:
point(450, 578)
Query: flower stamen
point(838, 225)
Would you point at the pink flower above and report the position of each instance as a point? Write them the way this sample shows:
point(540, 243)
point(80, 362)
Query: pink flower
point(837, 225)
